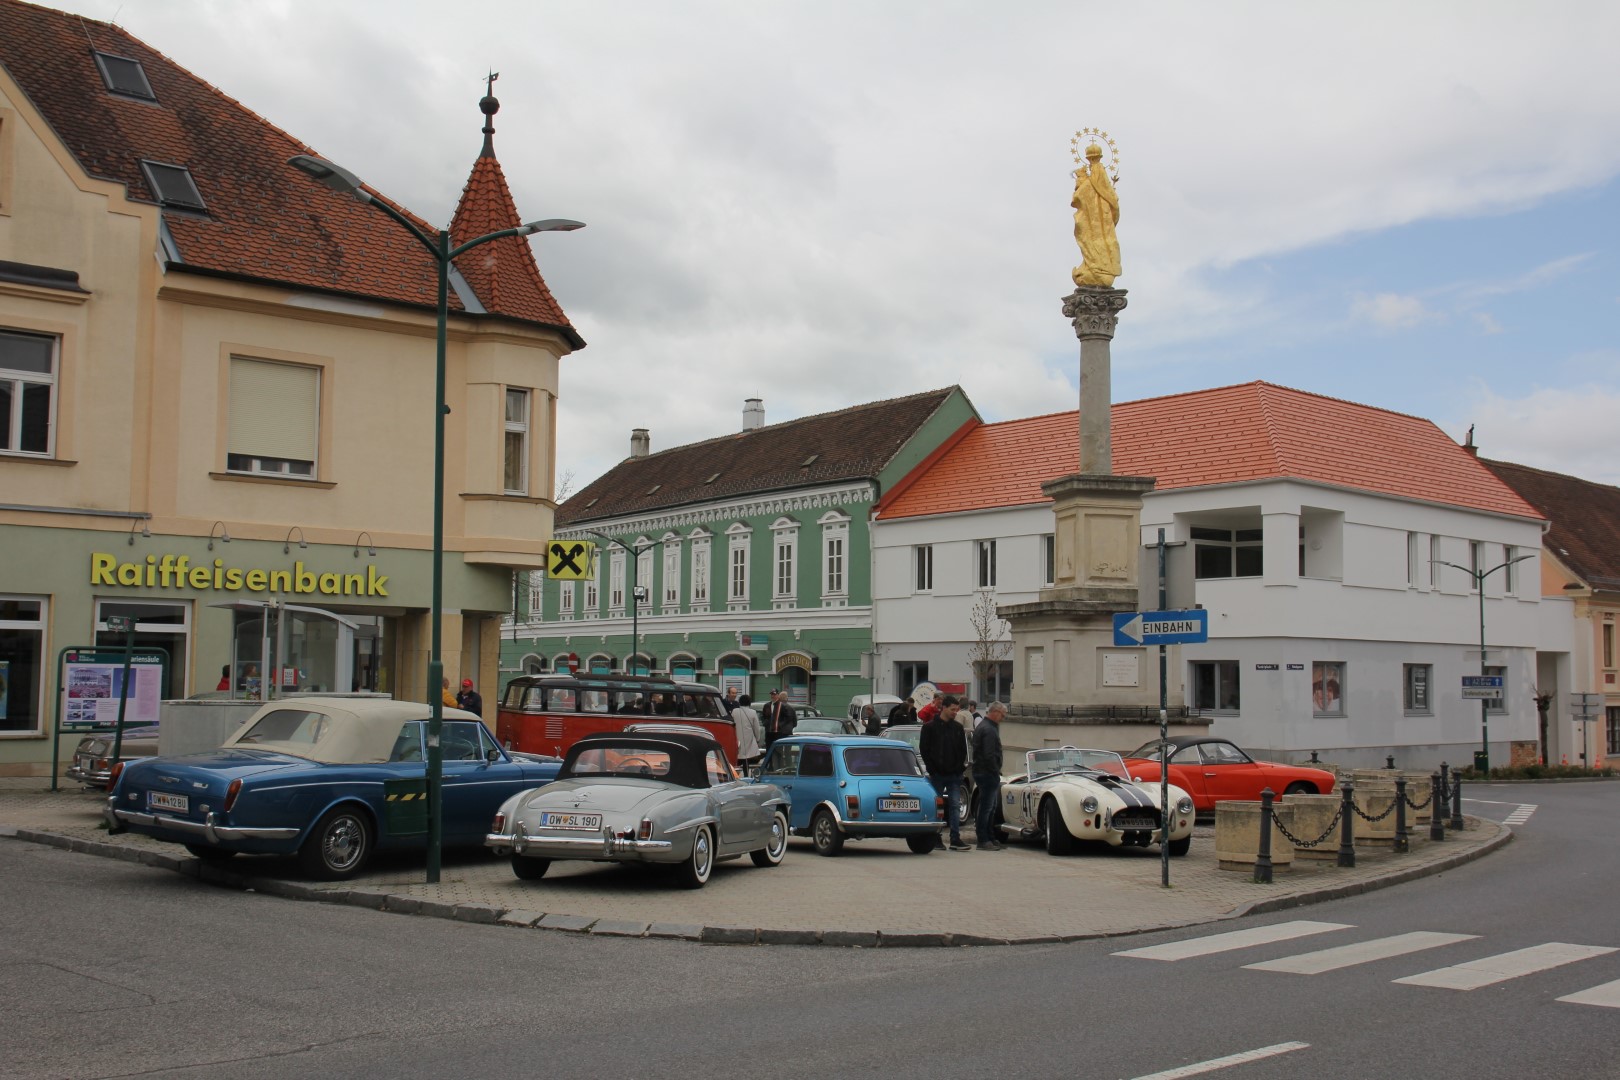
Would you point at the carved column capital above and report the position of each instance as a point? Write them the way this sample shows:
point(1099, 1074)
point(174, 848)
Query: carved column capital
point(1094, 311)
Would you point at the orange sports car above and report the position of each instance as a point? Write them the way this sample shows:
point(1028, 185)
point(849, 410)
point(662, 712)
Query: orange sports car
point(1213, 770)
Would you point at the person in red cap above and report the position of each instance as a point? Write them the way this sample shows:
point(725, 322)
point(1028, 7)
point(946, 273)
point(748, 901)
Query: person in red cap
point(470, 699)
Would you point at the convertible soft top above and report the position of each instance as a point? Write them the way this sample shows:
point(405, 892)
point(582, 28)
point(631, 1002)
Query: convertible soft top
point(687, 753)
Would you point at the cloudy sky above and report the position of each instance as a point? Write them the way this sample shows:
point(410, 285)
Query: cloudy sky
point(1413, 206)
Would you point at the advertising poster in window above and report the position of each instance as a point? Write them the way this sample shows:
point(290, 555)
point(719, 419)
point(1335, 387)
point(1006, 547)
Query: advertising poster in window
point(94, 690)
point(1327, 687)
point(734, 678)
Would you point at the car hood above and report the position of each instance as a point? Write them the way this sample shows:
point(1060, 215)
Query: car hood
point(617, 795)
point(228, 764)
point(1123, 790)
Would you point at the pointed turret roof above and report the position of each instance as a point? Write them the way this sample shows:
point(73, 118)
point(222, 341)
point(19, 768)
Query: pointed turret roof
point(502, 272)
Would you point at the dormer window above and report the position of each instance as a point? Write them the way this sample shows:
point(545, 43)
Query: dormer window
point(124, 76)
point(173, 186)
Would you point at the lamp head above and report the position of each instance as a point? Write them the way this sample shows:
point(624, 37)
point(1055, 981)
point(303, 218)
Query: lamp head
point(330, 174)
point(549, 225)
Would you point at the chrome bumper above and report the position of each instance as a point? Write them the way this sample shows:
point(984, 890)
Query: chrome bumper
point(96, 777)
point(860, 826)
point(209, 828)
point(603, 844)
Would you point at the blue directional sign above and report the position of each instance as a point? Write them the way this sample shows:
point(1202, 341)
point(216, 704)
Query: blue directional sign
point(1161, 627)
point(1485, 687)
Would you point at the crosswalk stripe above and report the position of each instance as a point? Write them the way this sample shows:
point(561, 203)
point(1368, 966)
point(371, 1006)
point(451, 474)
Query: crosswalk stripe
point(1236, 939)
point(1521, 815)
point(1215, 1064)
point(1504, 966)
point(1314, 963)
point(1607, 995)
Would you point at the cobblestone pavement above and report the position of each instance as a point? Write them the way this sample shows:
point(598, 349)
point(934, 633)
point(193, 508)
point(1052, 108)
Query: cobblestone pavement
point(877, 892)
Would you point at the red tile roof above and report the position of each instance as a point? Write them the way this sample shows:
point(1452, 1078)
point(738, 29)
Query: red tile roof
point(1254, 431)
point(502, 272)
point(264, 220)
point(1585, 520)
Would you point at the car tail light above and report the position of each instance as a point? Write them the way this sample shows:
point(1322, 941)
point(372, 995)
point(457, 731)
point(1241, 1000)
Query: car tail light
point(853, 802)
point(939, 807)
point(645, 832)
point(112, 777)
point(230, 795)
point(499, 824)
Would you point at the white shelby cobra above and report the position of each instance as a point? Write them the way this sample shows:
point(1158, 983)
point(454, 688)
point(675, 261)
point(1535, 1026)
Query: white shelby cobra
point(1071, 794)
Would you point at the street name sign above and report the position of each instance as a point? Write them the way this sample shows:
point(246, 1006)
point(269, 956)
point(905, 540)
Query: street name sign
point(1161, 627)
point(1486, 687)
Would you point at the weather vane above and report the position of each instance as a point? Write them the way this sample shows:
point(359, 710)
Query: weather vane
point(1090, 137)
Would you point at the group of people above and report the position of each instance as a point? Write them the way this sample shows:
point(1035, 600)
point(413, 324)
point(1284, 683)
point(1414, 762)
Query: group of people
point(758, 730)
point(945, 747)
point(469, 699)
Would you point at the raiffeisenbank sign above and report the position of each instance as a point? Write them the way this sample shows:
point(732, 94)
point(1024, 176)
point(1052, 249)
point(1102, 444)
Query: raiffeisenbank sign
point(178, 572)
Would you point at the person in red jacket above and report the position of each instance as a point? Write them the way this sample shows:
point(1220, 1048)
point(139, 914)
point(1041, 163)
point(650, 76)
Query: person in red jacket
point(931, 710)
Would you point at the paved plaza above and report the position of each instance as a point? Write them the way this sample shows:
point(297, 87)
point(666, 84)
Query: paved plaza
point(875, 893)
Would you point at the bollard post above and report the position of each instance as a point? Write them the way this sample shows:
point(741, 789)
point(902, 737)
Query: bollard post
point(1347, 835)
point(1314, 759)
point(1456, 803)
point(1401, 843)
point(1389, 761)
point(1262, 858)
point(1437, 809)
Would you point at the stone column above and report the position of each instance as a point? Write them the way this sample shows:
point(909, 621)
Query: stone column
point(1094, 312)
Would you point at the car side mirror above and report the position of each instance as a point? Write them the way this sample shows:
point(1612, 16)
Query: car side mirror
point(491, 756)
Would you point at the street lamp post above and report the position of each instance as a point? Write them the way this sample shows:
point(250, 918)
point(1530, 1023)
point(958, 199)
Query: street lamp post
point(1479, 577)
point(439, 247)
point(638, 592)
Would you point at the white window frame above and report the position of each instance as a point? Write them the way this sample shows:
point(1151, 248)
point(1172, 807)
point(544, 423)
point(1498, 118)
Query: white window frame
point(1410, 692)
point(922, 564)
point(644, 570)
point(984, 564)
point(671, 591)
point(738, 538)
point(834, 558)
point(1510, 580)
point(178, 672)
point(20, 379)
point(252, 464)
point(592, 606)
point(519, 427)
point(1436, 557)
point(1411, 560)
point(566, 592)
point(700, 568)
point(784, 564)
point(1221, 669)
point(537, 595)
point(1497, 706)
point(616, 572)
point(1330, 668)
point(1476, 562)
point(1049, 559)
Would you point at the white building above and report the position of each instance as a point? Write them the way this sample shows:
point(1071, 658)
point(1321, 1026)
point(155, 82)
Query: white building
point(1317, 534)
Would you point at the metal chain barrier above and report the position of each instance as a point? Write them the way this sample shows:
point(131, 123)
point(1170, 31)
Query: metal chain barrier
point(1424, 805)
point(1360, 813)
point(1297, 842)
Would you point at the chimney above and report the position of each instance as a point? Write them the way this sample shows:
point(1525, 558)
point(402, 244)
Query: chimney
point(640, 442)
point(1468, 444)
point(753, 413)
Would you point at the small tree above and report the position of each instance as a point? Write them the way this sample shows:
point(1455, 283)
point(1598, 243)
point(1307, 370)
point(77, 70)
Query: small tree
point(992, 639)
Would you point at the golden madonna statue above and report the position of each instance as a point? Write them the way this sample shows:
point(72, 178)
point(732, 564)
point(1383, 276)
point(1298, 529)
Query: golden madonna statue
point(1096, 212)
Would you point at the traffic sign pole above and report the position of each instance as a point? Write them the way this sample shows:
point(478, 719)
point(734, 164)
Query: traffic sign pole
point(126, 623)
point(1164, 739)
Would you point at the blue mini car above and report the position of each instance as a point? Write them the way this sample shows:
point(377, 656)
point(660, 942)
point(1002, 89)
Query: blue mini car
point(331, 780)
point(854, 786)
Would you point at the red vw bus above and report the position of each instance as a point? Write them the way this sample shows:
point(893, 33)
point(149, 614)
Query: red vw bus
point(546, 714)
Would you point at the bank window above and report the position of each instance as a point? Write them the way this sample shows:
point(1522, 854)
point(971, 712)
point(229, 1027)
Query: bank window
point(27, 392)
point(1049, 559)
point(1224, 553)
point(1418, 678)
point(923, 556)
point(984, 553)
point(1327, 688)
point(22, 664)
point(159, 624)
point(517, 442)
point(274, 418)
point(1215, 685)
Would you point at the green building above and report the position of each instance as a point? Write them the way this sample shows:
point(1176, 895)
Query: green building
point(751, 553)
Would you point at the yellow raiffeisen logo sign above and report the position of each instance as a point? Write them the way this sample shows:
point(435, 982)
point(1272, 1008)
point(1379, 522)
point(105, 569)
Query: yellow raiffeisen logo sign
point(176, 571)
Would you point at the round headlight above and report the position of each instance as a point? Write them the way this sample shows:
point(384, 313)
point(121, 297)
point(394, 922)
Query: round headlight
point(1184, 805)
point(1089, 805)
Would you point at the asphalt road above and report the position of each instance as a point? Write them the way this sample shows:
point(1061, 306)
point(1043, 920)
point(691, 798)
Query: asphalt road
point(111, 969)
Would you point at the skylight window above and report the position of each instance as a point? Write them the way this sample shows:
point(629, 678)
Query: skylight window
point(654, 489)
point(124, 76)
point(712, 479)
point(809, 461)
point(592, 503)
point(173, 186)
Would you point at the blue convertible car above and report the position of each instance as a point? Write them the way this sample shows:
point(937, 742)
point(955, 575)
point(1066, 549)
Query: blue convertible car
point(331, 780)
point(854, 786)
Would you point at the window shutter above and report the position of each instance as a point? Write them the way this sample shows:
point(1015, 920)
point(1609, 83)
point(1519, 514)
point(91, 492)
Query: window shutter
point(275, 409)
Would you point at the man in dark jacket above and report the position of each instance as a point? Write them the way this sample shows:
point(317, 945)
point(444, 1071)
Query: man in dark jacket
point(778, 718)
point(944, 752)
point(470, 699)
point(987, 774)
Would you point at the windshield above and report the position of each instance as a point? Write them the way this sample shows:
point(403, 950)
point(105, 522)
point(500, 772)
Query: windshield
point(816, 725)
point(636, 762)
point(1147, 751)
point(881, 761)
point(1070, 759)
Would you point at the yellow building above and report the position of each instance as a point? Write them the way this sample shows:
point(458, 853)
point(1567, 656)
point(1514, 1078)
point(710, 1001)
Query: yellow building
point(217, 391)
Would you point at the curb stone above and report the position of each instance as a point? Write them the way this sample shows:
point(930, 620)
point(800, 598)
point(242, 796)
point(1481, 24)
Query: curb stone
point(576, 923)
point(437, 908)
point(474, 912)
point(619, 928)
point(729, 935)
point(790, 937)
point(519, 917)
point(687, 931)
point(895, 939)
point(405, 905)
point(858, 938)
